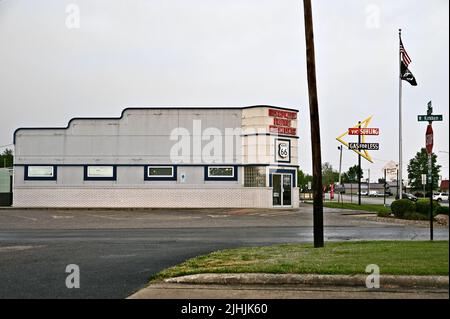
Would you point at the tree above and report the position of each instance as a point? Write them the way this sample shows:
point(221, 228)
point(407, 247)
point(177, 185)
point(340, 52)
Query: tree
point(6, 158)
point(418, 166)
point(329, 176)
point(303, 179)
point(351, 176)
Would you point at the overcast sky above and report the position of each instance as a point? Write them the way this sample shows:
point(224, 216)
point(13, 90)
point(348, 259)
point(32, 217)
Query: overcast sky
point(228, 53)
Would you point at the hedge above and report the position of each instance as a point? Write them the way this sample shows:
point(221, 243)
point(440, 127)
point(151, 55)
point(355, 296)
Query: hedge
point(402, 207)
point(423, 207)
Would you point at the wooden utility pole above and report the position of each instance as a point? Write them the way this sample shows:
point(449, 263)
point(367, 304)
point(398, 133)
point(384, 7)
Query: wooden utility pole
point(315, 127)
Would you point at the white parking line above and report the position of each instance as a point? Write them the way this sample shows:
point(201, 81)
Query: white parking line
point(107, 217)
point(17, 248)
point(25, 217)
point(61, 217)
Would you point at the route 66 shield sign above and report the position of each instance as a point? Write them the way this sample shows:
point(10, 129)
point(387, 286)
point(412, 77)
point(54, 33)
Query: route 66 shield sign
point(283, 148)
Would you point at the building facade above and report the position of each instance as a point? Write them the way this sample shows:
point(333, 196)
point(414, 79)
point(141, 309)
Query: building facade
point(162, 157)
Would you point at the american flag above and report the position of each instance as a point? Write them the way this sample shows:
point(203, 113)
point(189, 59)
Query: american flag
point(405, 57)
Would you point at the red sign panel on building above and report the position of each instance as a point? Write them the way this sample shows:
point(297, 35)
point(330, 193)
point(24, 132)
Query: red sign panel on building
point(282, 122)
point(283, 114)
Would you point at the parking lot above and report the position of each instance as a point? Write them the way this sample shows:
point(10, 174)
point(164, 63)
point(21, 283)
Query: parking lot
point(118, 250)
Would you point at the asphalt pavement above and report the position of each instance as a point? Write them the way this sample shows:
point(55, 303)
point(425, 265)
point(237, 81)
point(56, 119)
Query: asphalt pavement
point(118, 251)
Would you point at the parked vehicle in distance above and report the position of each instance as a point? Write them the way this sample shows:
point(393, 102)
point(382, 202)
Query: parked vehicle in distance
point(440, 197)
point(388, 193)
point(363, 193)
point(409, 196)
point(375, 194)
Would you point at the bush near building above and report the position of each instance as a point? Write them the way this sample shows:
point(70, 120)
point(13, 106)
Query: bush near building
point(402, 207)
point(423, 207)
point(406, 209)
point(442, 210)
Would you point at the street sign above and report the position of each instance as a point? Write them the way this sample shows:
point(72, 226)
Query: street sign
point(424, 179)
point(429, 139)
point(430, 108)
point(430, 118)
point(430, 167)
point(363, 131)
point(364, 146)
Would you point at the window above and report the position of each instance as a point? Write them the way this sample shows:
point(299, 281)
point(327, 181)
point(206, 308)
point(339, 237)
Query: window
point(219, 173)
point(100, 173)
point(254, 176)
point(161, 173)
point(40, 172)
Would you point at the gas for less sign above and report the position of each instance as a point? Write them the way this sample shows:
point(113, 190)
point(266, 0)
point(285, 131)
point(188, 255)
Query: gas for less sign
point(282, 122)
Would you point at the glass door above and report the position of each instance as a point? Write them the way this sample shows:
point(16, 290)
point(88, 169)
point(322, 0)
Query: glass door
point(276, 184)
point(287, 189)
point(282, 189)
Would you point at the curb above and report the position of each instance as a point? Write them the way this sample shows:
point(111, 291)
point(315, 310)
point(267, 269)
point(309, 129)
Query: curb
point(311, 280)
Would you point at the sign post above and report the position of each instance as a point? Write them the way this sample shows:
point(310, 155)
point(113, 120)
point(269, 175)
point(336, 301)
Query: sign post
point(429, 142)
point(359, 168)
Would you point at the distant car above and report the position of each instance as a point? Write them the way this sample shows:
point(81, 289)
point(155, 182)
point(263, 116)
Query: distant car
point(375, 194)
point(363, 193)
point(440, 197)
point(409, 196)
point(388, 193)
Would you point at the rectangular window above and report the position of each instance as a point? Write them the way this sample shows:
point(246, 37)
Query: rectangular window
point(162, 173)
point(254, 176)
point(217, 173)
point(40, 172)
point(100, 173)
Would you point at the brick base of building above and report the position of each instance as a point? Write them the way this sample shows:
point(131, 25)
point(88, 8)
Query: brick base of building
point(242, 197)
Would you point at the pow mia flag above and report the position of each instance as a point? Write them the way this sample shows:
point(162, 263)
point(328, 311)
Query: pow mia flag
point(407, 75)
point(405, 60)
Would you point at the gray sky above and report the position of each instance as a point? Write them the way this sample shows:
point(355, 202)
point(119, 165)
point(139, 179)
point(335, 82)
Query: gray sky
point(229, 53)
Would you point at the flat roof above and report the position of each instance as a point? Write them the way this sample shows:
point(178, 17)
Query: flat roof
point(151, 108)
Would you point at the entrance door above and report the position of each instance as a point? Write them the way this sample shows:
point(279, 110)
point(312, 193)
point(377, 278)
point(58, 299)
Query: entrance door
point(282, 189)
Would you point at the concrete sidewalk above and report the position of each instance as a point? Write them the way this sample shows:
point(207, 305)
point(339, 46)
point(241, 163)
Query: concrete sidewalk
point(269, 286)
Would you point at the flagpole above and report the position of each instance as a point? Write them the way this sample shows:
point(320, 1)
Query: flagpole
point(400, 139)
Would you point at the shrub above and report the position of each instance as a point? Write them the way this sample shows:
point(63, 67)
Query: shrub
point(402, 207)
point(384, 214)
point(441, 210)
point(423, 207)
point(415, 216)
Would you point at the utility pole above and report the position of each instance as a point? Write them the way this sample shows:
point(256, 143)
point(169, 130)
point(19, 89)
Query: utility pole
point(398, 194)
point(359, 167)
point(384, 190)
point(340, 173)
point(315, 126)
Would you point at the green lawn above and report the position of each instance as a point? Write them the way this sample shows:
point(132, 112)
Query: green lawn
point(364, 207)
point(393, 257)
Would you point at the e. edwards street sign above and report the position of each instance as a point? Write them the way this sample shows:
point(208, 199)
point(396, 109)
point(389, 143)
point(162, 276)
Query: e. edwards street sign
point(429, 118)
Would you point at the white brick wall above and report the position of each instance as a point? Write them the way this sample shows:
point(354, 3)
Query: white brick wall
point(145, 197)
